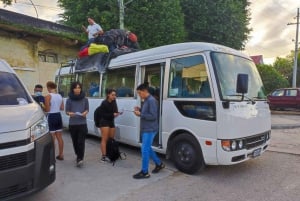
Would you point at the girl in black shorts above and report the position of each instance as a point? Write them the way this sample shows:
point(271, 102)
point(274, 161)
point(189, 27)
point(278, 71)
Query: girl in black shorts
point(108, 111)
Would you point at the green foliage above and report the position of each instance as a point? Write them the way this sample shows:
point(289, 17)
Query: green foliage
point(145, 18)
point(7, 2)
point(218, 21)
point(284, 66)
point(163, 22)
point(154, 27)
point(271, 78)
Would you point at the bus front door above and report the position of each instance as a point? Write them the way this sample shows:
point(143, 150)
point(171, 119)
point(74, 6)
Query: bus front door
point(154, 74)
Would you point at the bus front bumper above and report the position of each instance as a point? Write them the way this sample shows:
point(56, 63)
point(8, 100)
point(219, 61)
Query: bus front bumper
point(234, 157)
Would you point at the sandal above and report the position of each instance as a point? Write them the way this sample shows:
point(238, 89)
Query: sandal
point(61, 158)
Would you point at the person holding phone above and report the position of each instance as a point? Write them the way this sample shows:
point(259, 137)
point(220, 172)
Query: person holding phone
point(108, 111)
point(149, 128)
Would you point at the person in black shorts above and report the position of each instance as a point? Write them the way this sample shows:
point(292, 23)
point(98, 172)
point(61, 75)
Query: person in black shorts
point(53, 105)
point(108, 111)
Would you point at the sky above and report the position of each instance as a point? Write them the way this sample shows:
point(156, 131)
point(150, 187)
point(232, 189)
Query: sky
point(270, 36)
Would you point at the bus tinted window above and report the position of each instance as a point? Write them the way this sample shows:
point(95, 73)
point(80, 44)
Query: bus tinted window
point(122, 80)
point(188, 78)
point(90, 83)
point(64, 84)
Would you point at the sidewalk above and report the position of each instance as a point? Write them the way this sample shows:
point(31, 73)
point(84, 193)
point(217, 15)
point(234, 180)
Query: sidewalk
point(285, 120)
point(285, 135)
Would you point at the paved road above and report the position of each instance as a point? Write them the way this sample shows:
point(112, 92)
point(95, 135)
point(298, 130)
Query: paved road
point(273, 176)
point(96, 180)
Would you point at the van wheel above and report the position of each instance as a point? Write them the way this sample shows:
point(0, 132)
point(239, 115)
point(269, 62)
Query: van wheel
point(186, 154)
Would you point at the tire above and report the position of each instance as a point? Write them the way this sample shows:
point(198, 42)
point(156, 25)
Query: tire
point(187, 154)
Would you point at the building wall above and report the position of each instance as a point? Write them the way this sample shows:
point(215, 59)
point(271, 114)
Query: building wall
point(22, 53)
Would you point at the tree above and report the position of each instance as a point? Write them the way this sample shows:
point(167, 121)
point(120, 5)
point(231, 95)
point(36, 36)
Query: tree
point(143, 17)
point(153, 26)
point(163, 22)
point(218, 21)
point(271, 78)
point(284, 66)
point(7, 2)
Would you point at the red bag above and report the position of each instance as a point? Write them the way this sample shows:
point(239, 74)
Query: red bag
point(83, 53)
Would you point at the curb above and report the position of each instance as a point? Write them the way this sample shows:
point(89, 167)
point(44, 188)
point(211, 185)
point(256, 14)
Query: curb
point(284, 126)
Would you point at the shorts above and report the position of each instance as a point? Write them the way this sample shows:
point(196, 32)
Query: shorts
point(55, 122)
point(106, 123)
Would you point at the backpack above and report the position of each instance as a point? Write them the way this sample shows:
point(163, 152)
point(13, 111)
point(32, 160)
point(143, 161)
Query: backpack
point(113, 152)
point(97, 117)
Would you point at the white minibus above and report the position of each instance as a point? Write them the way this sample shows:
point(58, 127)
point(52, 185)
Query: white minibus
point(27, 162)
point(212, 104)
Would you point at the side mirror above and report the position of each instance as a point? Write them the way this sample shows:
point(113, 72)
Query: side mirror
point(242, 83)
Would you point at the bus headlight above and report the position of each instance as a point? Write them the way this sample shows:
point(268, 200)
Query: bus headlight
point(232, 145)
point(241, 144)
point(39, 129)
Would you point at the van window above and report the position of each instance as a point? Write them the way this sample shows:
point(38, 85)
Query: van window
point(12, 91)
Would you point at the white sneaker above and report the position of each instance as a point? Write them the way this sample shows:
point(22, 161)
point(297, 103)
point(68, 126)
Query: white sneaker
point(79, 163)
point(105, 159)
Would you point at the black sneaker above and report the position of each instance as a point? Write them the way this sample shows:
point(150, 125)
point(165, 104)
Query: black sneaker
point(141, 175)
point(158, 168)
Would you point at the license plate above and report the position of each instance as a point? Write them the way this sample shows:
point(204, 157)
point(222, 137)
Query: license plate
point(256, 152)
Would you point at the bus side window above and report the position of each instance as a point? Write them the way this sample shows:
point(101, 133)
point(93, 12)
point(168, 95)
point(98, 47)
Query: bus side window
point(205, 89)
point(188, 78)
point(90, 83)
point(122, 80)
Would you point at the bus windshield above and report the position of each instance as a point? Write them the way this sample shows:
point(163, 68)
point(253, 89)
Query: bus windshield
point(227, 67)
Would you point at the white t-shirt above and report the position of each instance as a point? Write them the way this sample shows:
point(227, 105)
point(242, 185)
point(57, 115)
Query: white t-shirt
point(92, 29)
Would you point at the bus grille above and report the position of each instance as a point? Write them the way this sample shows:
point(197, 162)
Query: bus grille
point(16, 160)
point(15, 189)
point(255, 141)
point(8, 145)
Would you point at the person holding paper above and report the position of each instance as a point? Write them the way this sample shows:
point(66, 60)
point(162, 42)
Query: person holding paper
point(77, 107)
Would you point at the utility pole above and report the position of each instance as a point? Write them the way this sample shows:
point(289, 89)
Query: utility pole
point(296, 50)
point(122, 12)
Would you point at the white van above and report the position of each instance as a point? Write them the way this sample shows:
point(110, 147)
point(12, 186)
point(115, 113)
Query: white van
point(27, 162)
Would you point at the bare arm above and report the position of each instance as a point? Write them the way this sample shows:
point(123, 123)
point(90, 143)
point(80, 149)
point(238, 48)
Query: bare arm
point(47, 103)
point(84, 29)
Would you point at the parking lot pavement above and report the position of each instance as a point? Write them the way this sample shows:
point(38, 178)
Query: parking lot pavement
point(96, 180)
point(285, 141)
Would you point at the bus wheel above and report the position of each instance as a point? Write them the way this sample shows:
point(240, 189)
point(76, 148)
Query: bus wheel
point(186, 154)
